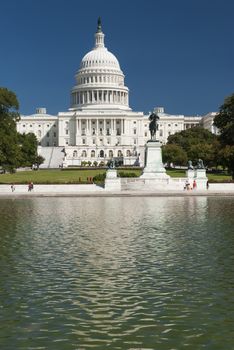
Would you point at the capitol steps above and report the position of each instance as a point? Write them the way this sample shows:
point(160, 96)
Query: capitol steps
point(53, 157)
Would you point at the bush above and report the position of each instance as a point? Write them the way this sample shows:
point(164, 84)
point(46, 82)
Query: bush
point(100, 178)
point(125, 174)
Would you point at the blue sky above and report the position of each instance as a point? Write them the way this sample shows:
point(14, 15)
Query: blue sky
point(174, 53)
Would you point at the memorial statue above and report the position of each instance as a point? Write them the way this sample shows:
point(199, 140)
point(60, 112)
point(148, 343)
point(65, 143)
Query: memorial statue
point(200, 164)
point(99, 25)
point(190, 165)
point(153, 125)
point(111, 164)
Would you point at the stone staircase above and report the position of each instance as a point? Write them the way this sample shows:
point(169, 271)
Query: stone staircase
point(53, 157)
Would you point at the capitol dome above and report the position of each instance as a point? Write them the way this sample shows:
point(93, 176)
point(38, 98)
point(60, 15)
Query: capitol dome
point(100, 57)
point(99, 80)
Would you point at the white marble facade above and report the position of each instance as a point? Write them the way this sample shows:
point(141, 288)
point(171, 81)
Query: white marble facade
point(100, 124)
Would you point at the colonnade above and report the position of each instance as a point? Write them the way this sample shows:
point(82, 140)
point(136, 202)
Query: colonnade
point(99, 97)
point(100, 127)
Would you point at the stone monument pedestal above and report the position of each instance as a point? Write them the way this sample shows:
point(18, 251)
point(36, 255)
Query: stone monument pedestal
point(201, 178)
point(154, 168)
point(190, 174)
point(112, 181)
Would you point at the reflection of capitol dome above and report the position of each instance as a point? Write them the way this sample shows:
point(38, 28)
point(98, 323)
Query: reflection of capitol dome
point(100, 81)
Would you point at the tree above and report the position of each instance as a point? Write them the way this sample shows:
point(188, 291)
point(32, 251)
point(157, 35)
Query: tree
point(172, 153)
point(39, 160)
point(15, 149)
point(197, 142)
point(28, 147)
point(9, 150)
point(226, 155)
point(224, 120)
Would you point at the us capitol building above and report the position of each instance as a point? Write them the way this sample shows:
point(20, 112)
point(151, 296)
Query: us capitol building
point(100, 124)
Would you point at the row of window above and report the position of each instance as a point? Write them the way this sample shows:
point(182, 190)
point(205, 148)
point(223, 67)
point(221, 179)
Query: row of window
point(39, 126)
point(102, 154)
point(93, 62)
point(99, 122)
point(47, 134)
point(48, 144)
point(101, 79)
point(101, 141)
point(100, 96)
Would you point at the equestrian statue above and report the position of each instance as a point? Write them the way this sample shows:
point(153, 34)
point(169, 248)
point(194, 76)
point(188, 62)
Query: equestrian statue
point(153, 125)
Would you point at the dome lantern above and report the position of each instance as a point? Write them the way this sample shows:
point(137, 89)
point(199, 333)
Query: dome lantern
point(99, 36)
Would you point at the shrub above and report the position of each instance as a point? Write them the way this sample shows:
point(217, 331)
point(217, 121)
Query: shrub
point(125, 174)
point(99, 178)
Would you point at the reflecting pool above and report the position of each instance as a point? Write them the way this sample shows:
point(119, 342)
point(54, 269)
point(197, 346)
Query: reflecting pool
point(117, 273)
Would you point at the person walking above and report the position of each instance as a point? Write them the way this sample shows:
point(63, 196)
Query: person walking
point(194, 185)
point(187, 185)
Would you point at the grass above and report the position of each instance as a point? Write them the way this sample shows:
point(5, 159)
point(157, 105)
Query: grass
point(81, 176)
point(54, 176)
point(211, 177)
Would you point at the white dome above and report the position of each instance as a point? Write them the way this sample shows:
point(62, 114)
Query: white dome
point(99, 80)
point(101, 58)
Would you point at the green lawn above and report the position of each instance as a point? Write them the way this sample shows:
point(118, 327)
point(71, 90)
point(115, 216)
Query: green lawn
point(79, 176)
point(211, 177)
point(55, 176)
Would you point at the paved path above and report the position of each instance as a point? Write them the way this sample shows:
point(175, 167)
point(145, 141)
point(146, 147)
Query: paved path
point(21, 191)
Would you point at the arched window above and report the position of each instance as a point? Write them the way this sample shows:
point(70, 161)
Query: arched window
point(128, 153)
point(84, 153)
point(110, 153)
point(39, 133)
point(92, 154)
point(101, 153)
point(75, 154)
point(119, 153)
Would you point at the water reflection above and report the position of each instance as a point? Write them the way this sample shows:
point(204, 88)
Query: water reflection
point(116, 273)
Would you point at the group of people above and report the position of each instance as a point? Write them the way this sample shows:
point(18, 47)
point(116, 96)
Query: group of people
point(193, 186)
point(30, 187)
point(189, 186)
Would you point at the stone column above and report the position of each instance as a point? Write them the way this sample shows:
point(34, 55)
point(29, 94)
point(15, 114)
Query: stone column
point(97, 123)
point(113, 126)
point(104, 126)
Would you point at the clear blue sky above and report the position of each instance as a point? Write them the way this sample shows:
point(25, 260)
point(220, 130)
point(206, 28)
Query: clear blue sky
point(174, 53)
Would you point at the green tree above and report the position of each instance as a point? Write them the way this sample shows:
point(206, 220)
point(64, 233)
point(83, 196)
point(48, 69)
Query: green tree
point(9, 150)
point(28, 147)
point(224, 120)
point(226, 155)
point(15, 149)
point(39, 160)
point(172, 153)
point(197, 142)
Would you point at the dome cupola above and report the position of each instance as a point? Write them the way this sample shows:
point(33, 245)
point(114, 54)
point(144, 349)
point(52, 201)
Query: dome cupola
point(99, 81)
